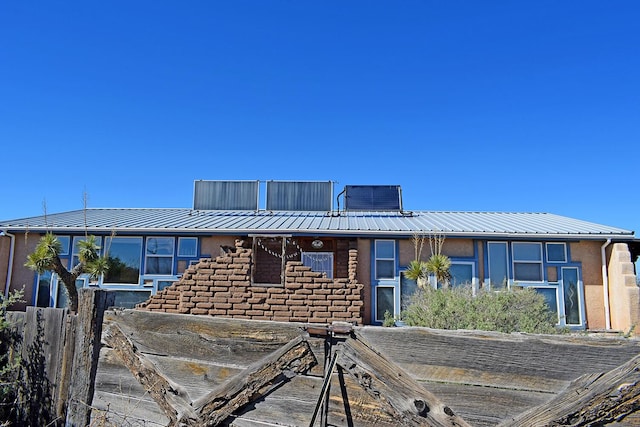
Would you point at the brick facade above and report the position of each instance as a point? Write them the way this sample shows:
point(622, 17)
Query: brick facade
point(222, 287)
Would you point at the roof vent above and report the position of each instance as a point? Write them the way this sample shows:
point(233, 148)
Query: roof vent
point(373, 198)
point(299, 195)
point(225, 195)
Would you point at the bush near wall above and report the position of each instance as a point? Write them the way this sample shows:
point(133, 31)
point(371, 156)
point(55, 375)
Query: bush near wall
point(520, 310)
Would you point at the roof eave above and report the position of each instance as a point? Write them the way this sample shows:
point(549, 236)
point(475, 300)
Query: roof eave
point(630, 236)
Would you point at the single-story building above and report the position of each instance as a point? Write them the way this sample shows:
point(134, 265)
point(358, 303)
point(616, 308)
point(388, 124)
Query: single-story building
point(294, 251)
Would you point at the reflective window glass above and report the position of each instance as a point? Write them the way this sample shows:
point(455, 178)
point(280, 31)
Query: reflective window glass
point(124, 255)
point(527, 252)
point(159, 255)
point(187, 246)
point(498, 265)
point(556, 252)
point(571, 296)
point(461, 274)
point(384, 302)
point(319, 261)
point(385, 249)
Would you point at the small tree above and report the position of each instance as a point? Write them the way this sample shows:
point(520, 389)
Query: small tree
point(46, 257)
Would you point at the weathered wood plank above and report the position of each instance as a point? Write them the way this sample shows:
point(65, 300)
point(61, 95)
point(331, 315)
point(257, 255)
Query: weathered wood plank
point(113, 409)
point(66, 364)
point(293, 403)
point(519, 361)
point(595, 399)
point(257, 380)
point(119, 398)
point(230, 342)
point(196, 377)
point(395, 390)
point(42, 351)
point(91, 306)
point(170, 397)
point(485, 406)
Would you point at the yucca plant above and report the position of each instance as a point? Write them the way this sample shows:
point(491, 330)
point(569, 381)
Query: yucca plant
point(46, 257)
point(439, 266)
point(417, 270)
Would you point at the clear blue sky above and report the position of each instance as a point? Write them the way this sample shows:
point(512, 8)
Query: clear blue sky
point(528, 106)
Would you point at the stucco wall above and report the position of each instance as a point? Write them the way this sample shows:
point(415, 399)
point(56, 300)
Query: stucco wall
point(451, 248)
point(624, 294)
point(222, 287)
point(364, 275)
point(21, 276)
point(210, 245)
point(587, 253)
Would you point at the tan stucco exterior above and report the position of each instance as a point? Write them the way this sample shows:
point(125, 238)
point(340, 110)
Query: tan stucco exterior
point(588, 254)
point(624, 294)
point(21, 277)
point(462, 248)
point(364, 274)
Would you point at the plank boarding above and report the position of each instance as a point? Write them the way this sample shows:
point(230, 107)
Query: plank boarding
point(382, 375)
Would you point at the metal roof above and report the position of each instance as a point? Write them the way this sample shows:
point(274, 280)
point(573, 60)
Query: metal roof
point(397, 224)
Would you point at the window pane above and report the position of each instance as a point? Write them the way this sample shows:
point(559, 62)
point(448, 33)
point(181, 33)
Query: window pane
point(159, 265)
point(187, 246)
point(76, 249)
point(556, 252)
point(527, 272)
point(551, 296)
point(44, 283)
point(385, 269)
point(64, 243)
point(160, 245)
point(129, 299)
point(384, 302)
point(319, 261)
point(571, 298)
point(527, 252)
point(498, 270)
point(461, 274)
point(408, 288)
point(385, 249)
point(125, 257)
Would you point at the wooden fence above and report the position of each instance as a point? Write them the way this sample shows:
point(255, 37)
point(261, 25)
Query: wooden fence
point(159, 369)
point(59, 353)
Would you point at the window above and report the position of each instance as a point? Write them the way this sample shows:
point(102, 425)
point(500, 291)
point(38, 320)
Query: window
point(187, 247)
point(498, 265)
point(159, 255)
point(385, 255)
point(385, 301)
point(124, 255)
point(44, 289)
point(64, 245)
point(462, 274)
point(408, 288)
point(550, 294)
point(76, 249)
point(527, 262)
point(319, 261)
point(572, 296)
point(556, 252)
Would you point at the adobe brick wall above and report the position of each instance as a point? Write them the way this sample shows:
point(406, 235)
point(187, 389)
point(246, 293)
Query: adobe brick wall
point(222, 287)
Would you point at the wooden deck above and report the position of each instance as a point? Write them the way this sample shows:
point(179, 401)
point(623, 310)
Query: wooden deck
point(160, 369)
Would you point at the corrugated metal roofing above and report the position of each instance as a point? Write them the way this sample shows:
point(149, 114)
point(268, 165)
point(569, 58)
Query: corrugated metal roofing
point(188, 221)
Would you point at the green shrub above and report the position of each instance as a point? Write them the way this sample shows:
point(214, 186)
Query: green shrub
point(521, 310)
point(9, 362)
point(389, 320)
